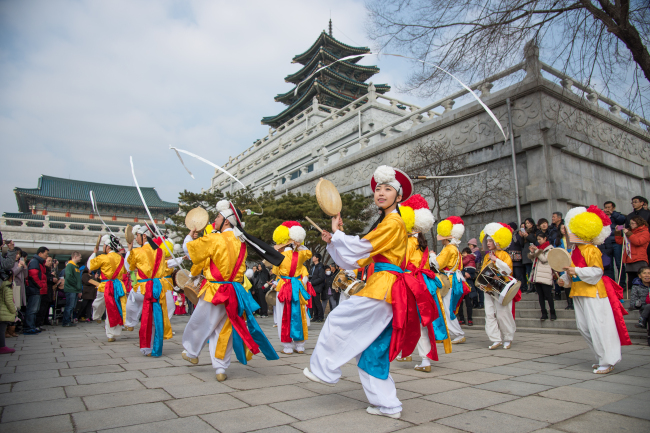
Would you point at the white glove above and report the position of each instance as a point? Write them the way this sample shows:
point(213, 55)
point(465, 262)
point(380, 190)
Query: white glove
point(432, 260)
point(305, 279)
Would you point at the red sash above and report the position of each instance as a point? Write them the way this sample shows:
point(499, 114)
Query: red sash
point(227, 295)
point(146, 324)
point(286, 295)
point(614, 295)
point(112, 311)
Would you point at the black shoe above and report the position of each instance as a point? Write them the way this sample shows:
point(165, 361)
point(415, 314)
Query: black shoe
point(569, 307)
point(553, 317)
point(641, 324)
point(558, 297)
point(544, 317)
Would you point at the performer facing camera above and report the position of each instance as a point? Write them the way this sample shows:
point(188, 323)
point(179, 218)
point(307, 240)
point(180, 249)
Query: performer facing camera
point(596, 298)
point(381, 320)
point(295, 293)
point(224, 313)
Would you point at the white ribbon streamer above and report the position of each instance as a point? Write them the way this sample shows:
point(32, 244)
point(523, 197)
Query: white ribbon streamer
point(96, 209)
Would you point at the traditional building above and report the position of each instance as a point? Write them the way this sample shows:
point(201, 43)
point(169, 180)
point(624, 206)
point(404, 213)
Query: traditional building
point(335, 87)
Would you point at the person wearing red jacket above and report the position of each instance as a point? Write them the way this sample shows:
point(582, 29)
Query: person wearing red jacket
point(37, 283)
point(635, 256)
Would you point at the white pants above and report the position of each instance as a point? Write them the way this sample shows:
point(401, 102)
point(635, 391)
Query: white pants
point(347, 332)
point(424, 346)
point(499, 324)
point(298, 346)
point(133, 308)
point(171, 306)
point(452, 325)
point(99, 307)
point(206, 323)
point(595, 321)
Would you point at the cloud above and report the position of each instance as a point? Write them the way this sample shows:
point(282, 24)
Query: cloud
point(86, 84)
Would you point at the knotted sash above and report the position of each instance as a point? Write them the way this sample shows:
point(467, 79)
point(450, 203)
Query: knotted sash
point(113, 291)
point(152, 310)
point(294, 325)
point(614, 295)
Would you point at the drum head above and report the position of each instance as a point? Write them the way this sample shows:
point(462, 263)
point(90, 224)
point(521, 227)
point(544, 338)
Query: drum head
point(128, 234)
point(197, 219)
point(271, 297)
point(559, 259)
point(511, 293)
point(181, 278)
point(328, 197)
point(355, 287)
point(446, 285)
point(191, 295)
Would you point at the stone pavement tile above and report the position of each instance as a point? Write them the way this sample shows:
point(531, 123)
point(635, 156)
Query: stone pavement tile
point(493, 361)
point(542, 409)
point(616, 388)
point(163, 381)
point(271, 369)
point(321, 405)
point(560, 360)
point(6, 387)
point(266, 381)
point(508, 370)
point(16, 412)
point(470, 398)
point(341, 386)
point(116, 399)
point(103, 388)
point(603, 422)
point(571, 374)
point(108, 377)
point(204, 404)
point(146, 365)
point(397, 378)
point(579, 395)
point(80, 371)
point(419, 411)
point(625, 379)
point(435, 371)
point(247, 419)
point(95, 362)
point(8, 370)
point(429, 386)
point(636, 406)
point(514, 354)
point(459, 365)
point(235, 372)
point(31, 396)
point(548, 430)
point(51, 424)
point(359, 394)
point(475, 377)
point(171, 370)
point(31, 375)
point(15, 361)
point(537, 366)
point(279, 429)
point(513, 387)
point(90, 421)
point(276, 394)
point(487, 421)
point(545, 379)
point(638, 371)
point(353, 422)
point(43, 383)
point(41, 367)
point(62, 358)
point(430, 427)
point(192, 424)
point(195, 389)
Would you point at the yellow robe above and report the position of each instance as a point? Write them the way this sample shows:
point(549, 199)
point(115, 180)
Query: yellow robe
point(143, 259)
point(108, 264)
point(594, 258)
point(501, 255)
point(389, 239)
point(449, 261)
point(301, 271)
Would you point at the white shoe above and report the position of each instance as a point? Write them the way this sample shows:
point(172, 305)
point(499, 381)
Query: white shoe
point(495, 345)
point(506, 344)
point(458, 340)
point(311, 376)
point(375, 411)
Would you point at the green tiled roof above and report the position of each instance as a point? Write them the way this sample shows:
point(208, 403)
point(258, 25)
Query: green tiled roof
point(326, 40)
point(324, 55)
point(107, 194)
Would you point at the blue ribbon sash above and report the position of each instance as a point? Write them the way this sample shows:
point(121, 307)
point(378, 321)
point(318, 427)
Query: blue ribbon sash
point(439, 326)
point(456, 294)
point(297, 289)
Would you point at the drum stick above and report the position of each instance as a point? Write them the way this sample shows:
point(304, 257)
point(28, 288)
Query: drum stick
point(314, 224)
point(99, 239)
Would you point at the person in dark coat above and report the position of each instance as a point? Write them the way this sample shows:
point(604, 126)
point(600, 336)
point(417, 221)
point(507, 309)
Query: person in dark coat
point(317, 280)
point(515, 251)
point(639, 211)
point(262, 277)
point(610, 245)
point(527, 237)
point(88, 295)
point(329, 294)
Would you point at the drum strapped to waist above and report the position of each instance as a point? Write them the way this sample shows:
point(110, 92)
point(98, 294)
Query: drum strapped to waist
point(271, 297)
point(493, 282)
point(344, 284)
point(446, 284)
point(191, 286)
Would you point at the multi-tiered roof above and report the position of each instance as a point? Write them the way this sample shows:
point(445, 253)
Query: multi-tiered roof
point(336, 86)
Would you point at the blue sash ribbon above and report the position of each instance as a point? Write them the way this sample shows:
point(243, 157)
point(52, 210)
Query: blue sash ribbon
point(159, 326)
point(439, 326)
point(375, 359)
point(246, 304)
point(297, 288)
point(456, 294)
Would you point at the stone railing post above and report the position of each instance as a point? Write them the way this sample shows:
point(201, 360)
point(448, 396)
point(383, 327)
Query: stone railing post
point(303, 170)
point(531, 54)
point(364, 143)
point(567, 83)
point(448, 105)
point(485, 89)
point(634, 120)
point(343, 152)
point(372, 93)
point(592, 97)
point(615, 110)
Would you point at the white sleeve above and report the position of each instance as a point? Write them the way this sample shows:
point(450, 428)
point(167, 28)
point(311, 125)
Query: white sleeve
point(433, 260)
point(590, 275)
point(173, 263)
point(92, 256)
point(503, 267)
point(567, 281)
point(126, 261)
point(346, 250)
point(188, 239)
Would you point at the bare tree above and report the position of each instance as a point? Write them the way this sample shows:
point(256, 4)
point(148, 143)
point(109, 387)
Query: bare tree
point(603, 44)
point(463, 196)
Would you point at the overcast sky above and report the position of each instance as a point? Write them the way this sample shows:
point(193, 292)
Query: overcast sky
point(86, 84)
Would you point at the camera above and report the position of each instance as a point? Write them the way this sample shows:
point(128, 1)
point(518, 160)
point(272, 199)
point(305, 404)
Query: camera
point(6, 274)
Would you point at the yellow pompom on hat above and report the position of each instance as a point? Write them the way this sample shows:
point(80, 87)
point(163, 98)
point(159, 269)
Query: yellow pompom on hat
point(588, 225)
point(416, 214)
point(500, 233)
point(289, 231)
point(452, 227)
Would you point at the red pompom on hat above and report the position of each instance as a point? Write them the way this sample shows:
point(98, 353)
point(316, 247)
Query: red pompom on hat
point(507, 226)
point(456, 220)
point(416, 202)
point(603, 217)
point(290, 224)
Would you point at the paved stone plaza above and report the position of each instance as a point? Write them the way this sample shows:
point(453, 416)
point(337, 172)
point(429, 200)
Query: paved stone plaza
point(72, 379)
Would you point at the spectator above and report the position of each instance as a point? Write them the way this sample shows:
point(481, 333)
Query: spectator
point(542, 274)
point(638, 238)
point(562, 241)
point(20, 272)
point(261, 278)
point(469, 272)
point(7, 307)
point(528, 238)
point(7, 262)
point(88, 295)
point(328, 291)
point(317, 280)
point(640, 289)
point(639, 211)
point(72, 287)
point(37, 282)
point(478, 256)
point(556, 222)
point(47, 295)
point(550, 231)
point(618, 221)
point(515, 251)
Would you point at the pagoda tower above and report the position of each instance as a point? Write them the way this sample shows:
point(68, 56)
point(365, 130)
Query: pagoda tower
point(335, 87)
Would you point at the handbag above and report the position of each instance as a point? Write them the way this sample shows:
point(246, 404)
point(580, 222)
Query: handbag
point(515, 256)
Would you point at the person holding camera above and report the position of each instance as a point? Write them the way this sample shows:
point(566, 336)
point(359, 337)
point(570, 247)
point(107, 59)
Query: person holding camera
point(7, 308)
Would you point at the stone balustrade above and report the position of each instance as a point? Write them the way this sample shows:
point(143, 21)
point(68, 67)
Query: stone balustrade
point(57, 225)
